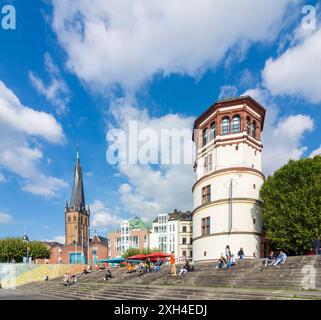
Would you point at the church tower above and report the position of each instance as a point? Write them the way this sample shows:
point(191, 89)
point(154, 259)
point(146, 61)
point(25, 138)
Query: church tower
point(226, 202)
point(76, 214)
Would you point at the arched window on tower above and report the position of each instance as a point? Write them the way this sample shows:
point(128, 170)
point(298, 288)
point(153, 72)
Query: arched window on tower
point(205, 136)
point(254, 129)
point(225, 125)
point(236, 124)
point(213, 130)
point(248, 125)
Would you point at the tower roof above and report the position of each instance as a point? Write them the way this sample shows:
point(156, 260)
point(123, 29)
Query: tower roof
point(77, 202)
point(231, 102)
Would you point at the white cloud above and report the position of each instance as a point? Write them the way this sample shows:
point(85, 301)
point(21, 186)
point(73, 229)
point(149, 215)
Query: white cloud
point(282, 136)
point(60, 239)
point(152, 189)
point(101, 217)
point(57, 92)
point(297, 71)
point(5, 218)
point(227, 91)
point(2, 177)
point(128, 42)
point(316, 152)
point(21, 127)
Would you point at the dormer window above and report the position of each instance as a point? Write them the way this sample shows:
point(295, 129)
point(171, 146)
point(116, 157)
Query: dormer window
point(236, 124)
point(225, 126)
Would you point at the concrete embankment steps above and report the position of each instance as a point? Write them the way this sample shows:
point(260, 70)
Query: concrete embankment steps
point(239, 282)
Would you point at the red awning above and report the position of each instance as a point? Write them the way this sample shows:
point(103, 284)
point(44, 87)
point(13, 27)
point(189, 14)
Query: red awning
point(157, 255)
point(137, 257)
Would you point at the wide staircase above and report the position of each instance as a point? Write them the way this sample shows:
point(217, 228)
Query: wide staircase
point(298, 278)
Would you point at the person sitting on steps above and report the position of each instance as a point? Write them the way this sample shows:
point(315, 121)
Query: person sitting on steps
point(280, 259)
point(270, 260)
point(221, 262)
point(231, 262)
point(108, 275)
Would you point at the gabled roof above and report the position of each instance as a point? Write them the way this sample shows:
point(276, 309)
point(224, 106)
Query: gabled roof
point(100, 239)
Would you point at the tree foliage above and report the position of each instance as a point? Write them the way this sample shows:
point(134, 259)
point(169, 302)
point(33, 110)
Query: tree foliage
point(292, 205)
point(15, 249)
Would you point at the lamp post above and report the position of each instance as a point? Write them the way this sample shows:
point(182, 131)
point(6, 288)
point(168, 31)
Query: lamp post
point(25, 239)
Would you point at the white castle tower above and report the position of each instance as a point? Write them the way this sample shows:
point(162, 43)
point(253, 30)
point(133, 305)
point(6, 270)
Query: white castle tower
point(227, 209)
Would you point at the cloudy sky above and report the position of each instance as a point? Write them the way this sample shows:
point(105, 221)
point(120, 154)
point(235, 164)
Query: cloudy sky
point(74, 69)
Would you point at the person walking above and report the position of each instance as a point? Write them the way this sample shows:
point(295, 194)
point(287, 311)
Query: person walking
point(241, 254)
point(228, 253)
point(173, 266)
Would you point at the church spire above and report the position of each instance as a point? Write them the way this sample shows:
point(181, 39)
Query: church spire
point(77, 202)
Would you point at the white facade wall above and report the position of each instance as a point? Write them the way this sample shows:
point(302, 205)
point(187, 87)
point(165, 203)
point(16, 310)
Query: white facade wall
point(239, 162)
point(226, 156)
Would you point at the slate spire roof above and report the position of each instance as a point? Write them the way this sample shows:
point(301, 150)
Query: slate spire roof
point(77, 202)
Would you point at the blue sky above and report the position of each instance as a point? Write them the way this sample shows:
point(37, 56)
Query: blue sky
point(77, 68)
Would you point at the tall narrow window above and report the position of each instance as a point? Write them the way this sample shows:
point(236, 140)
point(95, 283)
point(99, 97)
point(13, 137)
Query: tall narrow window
point(213, 130)
point(248, 125)
point(254, 129)
point(225, 126)
point(208, 163)
point(205, 137)
point(236, 124)
point(206, 226)
point(206, 194)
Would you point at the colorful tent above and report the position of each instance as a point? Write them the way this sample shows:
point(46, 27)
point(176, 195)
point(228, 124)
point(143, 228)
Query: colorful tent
point(137, 257)
point(155, 255)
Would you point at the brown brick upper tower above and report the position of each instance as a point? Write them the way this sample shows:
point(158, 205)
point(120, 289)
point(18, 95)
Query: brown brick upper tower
point(76, 214)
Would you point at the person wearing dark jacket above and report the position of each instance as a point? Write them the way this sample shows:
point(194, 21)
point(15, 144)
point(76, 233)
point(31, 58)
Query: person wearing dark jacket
point(316, 246)
point(241, 254)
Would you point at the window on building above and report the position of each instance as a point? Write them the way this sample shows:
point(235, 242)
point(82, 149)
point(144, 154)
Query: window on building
point(206, 194)
point(206, 224)
point(248, 125)
point(236, 124)
point(184, 229)
point(254, 129)
point(184, 253)
point(183, 240)
point(236, 148)
point(191, 254)
point(205, 136)
point(208, 163)
point(254, 186)
point(74, 218)
point(191, 240)
point(225, 125)
point(191, 228)
point(69, 219)
point(213, 131)
point(254, 221)
point(204, 253)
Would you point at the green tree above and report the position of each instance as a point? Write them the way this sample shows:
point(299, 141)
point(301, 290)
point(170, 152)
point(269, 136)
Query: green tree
point(16, 249)
point(292, 205)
